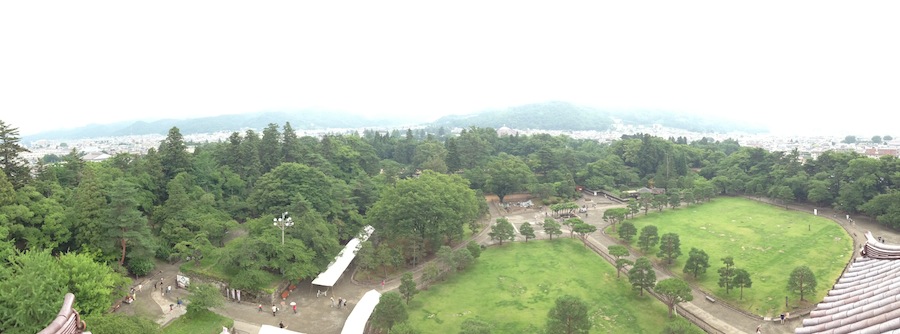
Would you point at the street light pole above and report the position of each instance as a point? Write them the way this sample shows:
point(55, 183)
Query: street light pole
point(282, 223)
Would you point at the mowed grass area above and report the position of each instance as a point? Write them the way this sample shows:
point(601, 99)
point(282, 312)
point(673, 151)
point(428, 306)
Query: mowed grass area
point(513, 287)
point(204, 323)
point(767, 241)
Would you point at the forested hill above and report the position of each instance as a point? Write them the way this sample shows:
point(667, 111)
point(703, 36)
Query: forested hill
point(566, 116)
point(303, 119)
point(545, 116)
point(557, 115)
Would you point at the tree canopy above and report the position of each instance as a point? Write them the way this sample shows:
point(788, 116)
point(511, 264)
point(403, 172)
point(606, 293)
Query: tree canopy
point(568, 316)
point(641, 275)
point(673, 291)
point(802, 281)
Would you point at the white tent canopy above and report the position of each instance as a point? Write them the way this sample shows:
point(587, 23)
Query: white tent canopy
point(356, 322)
point(266, 329)
point(337, 267)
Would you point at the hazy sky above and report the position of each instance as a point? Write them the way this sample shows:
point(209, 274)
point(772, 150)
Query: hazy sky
point(802, 66)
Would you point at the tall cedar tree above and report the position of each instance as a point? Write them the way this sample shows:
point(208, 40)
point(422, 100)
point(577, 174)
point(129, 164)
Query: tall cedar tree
point(726, 274)
point(174, 155)
point(270, 151)
point(407, 287)
point(11, 163)
point(290, 146)
point(125, 225)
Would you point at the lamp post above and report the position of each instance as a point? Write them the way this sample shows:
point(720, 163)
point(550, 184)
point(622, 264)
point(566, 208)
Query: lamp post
point(282, 223)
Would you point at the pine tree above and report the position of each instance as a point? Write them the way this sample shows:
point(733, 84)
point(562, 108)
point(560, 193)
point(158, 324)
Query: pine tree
point(11, 163)
point(125, 225)
point(407, 287)
point(174, 155)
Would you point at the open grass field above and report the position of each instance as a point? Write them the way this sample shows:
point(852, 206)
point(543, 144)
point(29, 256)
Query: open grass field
point(205, 323)
point(767, 241)
point(513, 287)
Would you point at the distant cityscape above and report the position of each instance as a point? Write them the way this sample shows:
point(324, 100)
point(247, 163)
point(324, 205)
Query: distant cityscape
point(809, 147)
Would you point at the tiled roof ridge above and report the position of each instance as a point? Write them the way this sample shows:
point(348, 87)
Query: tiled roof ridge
point(865, 282)
point(866, 298)
point(879, 250)
point(859, 321)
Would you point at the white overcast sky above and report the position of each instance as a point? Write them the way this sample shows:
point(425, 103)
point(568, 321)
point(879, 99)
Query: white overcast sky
point(798, 66)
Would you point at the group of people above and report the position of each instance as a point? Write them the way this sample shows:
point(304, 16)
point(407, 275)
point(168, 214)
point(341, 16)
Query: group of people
point(341, 302)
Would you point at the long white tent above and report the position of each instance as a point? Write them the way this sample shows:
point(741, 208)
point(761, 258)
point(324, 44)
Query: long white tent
point(266, 329)
point(337, 267)
point(356, 322)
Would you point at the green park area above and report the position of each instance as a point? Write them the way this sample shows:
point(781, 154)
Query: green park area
point(765, 240)
point(512, 287)
point(205, 322)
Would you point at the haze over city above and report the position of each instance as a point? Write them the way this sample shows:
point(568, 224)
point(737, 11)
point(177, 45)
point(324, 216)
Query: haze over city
point(800, 67)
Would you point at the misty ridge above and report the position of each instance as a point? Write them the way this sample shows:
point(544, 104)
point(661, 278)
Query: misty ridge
point(554, 115)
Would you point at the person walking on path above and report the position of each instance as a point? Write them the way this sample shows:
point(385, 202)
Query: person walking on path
point(260, 308)
point(294, 306)
point(274, 309)
point(169, 289)
point(332, 301)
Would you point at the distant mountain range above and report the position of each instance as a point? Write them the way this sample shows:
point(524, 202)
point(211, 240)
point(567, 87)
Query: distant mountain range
point(547, 116)
point(566, 116)
point(300, 120)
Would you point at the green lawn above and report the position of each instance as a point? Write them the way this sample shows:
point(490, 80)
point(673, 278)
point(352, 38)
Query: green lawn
point(204, 323)
point(514, 286)
point(767, 241)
